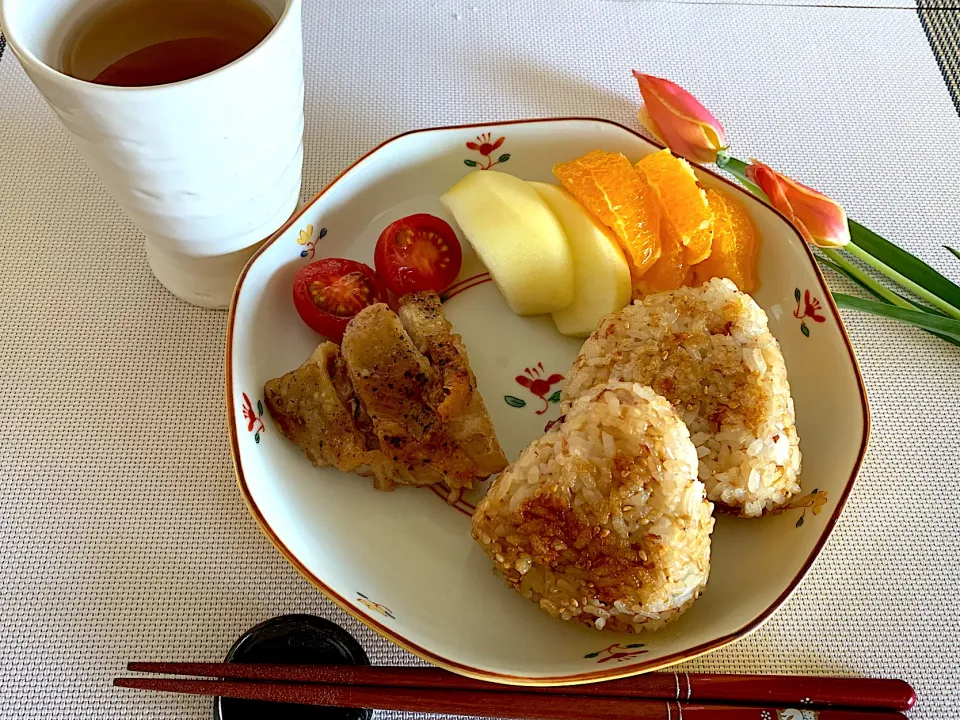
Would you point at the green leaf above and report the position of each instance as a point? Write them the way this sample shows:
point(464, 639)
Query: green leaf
point(956, 253)
point(504, 157)
point(945, 338)
point(863, 279)
point(800, 521)
point(813, 492)
point(796, 294)
point(827, 262)
point(633, 645)
point(470, 163)
point(933, 311)
point(259, 407)
point(591, 655)
point(256, 438)
point(323, 234)
point(514, 401)
point(928, 321)
point(906, 264)
point(804, 329)
point(555, 398)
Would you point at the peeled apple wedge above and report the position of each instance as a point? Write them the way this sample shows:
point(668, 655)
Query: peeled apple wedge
point(601, 275)
point(517, 237)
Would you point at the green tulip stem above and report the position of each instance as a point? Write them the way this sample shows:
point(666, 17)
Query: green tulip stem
point(876, 287)
point(738, 168)
point(921, 292)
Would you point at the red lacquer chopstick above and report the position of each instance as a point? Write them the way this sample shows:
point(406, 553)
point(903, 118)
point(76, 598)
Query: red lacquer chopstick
point(518, 705)
point(789, 690)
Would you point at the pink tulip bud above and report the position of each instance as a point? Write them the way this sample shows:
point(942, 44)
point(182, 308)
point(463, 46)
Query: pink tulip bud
point(679, 120)
point(820, 220)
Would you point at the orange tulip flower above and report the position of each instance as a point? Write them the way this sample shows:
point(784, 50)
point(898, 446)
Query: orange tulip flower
point(820, 220)
point(679, 120)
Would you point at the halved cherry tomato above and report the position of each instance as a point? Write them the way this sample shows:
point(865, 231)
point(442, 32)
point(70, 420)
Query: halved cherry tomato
point(329, 292)
point(418, 252)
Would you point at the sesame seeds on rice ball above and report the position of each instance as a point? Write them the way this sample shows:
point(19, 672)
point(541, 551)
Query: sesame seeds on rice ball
point(708, 351)
point(602, 520)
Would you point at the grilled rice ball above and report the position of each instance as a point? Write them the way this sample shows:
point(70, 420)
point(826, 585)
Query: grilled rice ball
point(602, 520)
point(708, 351)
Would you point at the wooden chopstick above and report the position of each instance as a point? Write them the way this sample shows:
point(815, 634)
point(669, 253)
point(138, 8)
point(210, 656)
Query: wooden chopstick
point(517, 705)
point(864, 693)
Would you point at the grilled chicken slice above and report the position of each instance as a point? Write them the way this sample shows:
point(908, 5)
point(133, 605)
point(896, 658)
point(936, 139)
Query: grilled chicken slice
point(394, 382)
point(398, 399)
point(309, 410)
point(422, 317)
point(458, 401)
point(473, 430)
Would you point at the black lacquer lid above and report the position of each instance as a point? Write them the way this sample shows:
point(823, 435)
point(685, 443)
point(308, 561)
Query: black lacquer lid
point(293, 639)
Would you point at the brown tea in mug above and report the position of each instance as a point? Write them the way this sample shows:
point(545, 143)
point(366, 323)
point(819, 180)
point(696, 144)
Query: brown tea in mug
point(135, 43)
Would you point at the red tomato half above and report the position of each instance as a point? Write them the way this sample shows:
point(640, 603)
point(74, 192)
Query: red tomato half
point(418, 252)
point(329, 292)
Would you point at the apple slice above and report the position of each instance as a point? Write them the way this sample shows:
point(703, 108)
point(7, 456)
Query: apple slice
point(601, 275)
point(517, 237)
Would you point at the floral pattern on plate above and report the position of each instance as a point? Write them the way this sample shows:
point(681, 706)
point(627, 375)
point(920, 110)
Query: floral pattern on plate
point(375, 606)
point(254, 419)
point(616, 652)
point(538, 385)
point(486, 146)
point(305, 238)
point(813, 502)
point(808, 307)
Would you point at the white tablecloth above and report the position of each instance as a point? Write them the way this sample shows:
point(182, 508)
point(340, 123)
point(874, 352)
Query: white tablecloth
point(124, 536)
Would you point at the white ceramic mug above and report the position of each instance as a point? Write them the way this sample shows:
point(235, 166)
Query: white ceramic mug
point(207, 168)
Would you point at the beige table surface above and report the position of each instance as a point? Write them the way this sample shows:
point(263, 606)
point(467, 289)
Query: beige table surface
point(123, 534)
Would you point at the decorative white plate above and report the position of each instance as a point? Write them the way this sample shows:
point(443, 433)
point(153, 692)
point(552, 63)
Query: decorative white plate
point(404, 562)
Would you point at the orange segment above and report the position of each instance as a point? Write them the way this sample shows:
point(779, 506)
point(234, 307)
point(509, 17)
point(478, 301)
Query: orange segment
point(748, 242)
point(736, 243)
point(610, 188)
point(700, 244)
point(670, 271)
point(682, 203)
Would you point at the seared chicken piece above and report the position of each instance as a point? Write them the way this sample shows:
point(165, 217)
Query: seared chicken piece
point(394, 383)
point(460, 404)
point(309, 410)
point(473, 430)
point(397, 400)
point(423, 319)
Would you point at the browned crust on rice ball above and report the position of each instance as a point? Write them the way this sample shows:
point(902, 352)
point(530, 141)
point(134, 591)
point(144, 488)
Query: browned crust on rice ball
point(602, 520)
point(709, 351)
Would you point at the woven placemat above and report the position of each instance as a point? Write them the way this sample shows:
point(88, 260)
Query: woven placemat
point(124, 535)
point(941, 23)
